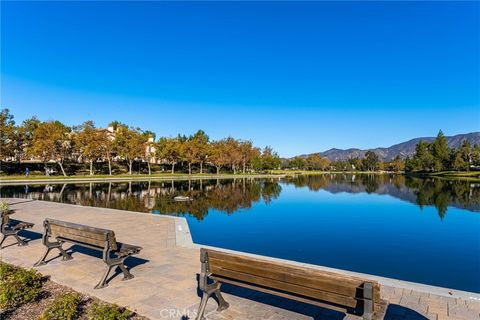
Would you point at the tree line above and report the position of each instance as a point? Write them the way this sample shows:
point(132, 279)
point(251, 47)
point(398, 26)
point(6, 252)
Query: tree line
point(53, 141)
point(438, 156)
point(370, 162)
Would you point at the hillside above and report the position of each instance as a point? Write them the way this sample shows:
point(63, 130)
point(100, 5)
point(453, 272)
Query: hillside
point(402, 149)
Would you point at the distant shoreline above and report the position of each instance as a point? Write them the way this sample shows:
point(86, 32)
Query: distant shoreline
point(20, 179)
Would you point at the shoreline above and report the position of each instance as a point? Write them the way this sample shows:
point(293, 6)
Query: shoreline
point(16, 180)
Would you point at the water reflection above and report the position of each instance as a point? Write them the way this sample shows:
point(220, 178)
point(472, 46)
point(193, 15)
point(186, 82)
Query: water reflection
point(232, 195)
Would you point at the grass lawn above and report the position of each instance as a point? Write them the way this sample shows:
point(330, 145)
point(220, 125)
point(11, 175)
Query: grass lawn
point(129, 176)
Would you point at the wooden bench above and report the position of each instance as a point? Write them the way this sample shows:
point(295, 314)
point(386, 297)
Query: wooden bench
point(114, 253)
point(321, 288)
point(11, 227)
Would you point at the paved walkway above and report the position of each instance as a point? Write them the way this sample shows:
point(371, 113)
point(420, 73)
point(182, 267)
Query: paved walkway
point(165, 272)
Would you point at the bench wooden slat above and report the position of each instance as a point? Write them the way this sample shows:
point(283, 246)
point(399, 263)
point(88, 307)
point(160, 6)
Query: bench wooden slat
point(284, 286)
point(326, 280)
point(280, 294)
point(292, 276)
point(81, 233)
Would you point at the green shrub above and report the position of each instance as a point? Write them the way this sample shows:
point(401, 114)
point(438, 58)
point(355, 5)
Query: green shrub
point(64, 307)
point(18, 286)
point(103, 311)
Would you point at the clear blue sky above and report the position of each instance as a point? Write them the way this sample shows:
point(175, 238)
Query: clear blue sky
point(301, 77)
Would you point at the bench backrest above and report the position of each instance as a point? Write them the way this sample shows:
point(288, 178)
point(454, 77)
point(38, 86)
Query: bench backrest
point(326, 286)
point(92, 236)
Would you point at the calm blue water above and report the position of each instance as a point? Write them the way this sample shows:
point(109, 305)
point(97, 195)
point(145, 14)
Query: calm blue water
point(375, 234)
point(420, 230)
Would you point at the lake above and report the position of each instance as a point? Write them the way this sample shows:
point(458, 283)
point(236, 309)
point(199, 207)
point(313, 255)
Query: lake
point(420, 230)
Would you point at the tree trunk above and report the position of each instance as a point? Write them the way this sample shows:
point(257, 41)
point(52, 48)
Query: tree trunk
point(189, 168)
point(149, 169)
point(234, 169)
point(61, 167)
point(130, 164)
point(218, 169)
point(244, 165)
point(91, 167)
point(109, 167)
point(173, 167)
point(201, 167)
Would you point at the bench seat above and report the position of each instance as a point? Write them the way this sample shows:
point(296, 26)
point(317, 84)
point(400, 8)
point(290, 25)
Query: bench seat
point(336, 291)
point(11, 227)
point(114, 253)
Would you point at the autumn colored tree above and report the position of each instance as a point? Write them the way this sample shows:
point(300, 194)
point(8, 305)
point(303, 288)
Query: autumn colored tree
point(200, 143)
point(51, 142)
point(317, 162)
point(218, 155)
point(88, 142)
point(106, 146)
point(169, 149)
point(247, 152)
point(149, 148)
point(232, 150)
point(129, 144)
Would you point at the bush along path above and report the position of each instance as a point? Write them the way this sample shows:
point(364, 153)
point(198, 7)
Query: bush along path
point(26, 294)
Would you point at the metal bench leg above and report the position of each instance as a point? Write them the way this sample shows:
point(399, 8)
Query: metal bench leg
point(126, 274)
point(367, 301)
point(3, 239)
point(20, 241)
point(103, 282)
point(42, 262)
point(222, 304)
point(203, 305)
point(65, 256)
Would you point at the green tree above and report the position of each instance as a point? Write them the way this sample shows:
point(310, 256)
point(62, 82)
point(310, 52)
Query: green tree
point(370, 162)
point(398, 164)
point(297, 163)
point(423, 157)
point(440, 152)
point(475, 155)
point(51, 142)
point(7, 135)
point(25, 136)
point(270, 159)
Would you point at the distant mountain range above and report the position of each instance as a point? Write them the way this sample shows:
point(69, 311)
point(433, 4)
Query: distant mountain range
point(403, 149)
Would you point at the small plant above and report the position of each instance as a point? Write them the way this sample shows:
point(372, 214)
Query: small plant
point(18, 286)
point(64, 307)
point(103, 311)
point(4, 206)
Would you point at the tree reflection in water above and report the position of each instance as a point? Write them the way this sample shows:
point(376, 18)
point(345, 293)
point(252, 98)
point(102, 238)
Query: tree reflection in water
point(231, 195)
